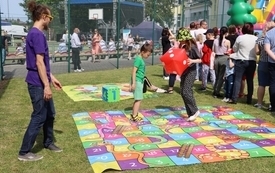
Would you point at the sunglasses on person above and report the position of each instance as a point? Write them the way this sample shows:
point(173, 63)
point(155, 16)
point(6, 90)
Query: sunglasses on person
point(50, 17)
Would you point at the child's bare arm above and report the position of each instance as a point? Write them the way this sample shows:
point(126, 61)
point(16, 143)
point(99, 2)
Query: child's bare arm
point(134, 71)
point(231, 64)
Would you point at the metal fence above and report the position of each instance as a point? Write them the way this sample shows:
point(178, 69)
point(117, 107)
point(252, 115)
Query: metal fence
point(112, 20)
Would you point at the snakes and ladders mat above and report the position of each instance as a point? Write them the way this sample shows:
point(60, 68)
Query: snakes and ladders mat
point(165, 138)
point(94, 92)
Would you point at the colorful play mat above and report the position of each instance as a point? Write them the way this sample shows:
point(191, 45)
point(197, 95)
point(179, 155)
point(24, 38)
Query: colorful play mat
point(165, 138)
point(94, 92)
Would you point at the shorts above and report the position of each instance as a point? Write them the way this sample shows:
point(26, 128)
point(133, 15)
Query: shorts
point(263, 74)
point(130, 48)
point(138, 92)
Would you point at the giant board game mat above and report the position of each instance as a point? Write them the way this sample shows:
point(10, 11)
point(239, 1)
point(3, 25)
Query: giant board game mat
point(94, 92)
point(165, 138)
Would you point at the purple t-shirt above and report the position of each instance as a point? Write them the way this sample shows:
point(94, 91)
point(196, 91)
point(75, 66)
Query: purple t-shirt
point(36, 43)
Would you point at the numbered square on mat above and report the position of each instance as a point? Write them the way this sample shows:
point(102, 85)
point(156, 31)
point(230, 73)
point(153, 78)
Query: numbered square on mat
point(110, 93)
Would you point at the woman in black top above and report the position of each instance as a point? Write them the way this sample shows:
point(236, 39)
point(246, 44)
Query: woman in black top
point(232, 35)
point(166, 36)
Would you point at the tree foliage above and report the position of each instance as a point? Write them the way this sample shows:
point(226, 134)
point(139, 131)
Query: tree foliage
point(163, 12)
point(54, 5)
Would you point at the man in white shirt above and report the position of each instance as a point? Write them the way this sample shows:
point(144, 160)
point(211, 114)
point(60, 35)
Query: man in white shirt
point(201, 30)
point(192, 29)
point(76, 45)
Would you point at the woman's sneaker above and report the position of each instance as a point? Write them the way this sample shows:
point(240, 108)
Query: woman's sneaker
point(166, 77)
point(225, 99)
point(257, 105)
point(159, 90)
point(269, 107)
point(178, 78)
point(193, 117)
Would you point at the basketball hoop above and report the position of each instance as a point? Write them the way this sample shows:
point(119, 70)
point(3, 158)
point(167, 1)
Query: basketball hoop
point(95, 14)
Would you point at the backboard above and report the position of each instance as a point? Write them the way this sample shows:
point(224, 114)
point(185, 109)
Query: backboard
point(95, 14)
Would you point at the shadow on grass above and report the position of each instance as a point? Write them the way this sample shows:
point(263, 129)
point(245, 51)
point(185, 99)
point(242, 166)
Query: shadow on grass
point(9, 74)
point(39, 141)
point(3, 86)
point(128, 109)
point(5, 82)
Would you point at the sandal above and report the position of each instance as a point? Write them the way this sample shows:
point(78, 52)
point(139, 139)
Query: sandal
point(169, 91)
point(135, 118)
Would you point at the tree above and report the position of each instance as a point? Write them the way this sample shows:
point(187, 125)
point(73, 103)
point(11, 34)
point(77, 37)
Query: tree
point(240, 13)
point(54, 5)
point(163, 12)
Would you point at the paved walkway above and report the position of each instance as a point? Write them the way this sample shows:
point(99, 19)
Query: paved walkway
point(17, 70)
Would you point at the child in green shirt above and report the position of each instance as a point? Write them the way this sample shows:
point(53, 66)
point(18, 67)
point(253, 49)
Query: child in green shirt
point(138, 74)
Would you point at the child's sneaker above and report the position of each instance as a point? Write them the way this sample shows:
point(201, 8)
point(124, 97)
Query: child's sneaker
point(257, 105)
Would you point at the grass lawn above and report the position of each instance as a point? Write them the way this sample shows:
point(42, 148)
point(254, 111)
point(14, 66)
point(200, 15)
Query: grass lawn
point(15, 112)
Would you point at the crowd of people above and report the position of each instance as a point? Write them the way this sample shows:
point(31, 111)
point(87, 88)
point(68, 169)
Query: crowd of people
point(229, 57)
point(97, 45)
point(19, 49)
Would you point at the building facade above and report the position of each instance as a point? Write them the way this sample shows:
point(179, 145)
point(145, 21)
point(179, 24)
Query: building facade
point(213, 11)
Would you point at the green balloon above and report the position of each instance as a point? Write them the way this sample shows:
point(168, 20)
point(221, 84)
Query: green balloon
point(240, 13)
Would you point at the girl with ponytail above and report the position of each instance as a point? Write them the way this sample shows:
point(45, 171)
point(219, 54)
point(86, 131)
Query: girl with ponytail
point(220, 47)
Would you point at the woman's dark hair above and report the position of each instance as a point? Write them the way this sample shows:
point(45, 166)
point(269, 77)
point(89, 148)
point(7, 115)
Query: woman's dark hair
point(248, 28)
point(223, 31)
point(187, 44)
point(216, 32)
point(37, 10)
point(232, 29)
point(192, 25)
point(165, 32)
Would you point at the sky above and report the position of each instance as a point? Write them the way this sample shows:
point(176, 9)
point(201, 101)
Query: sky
point(11, 8)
